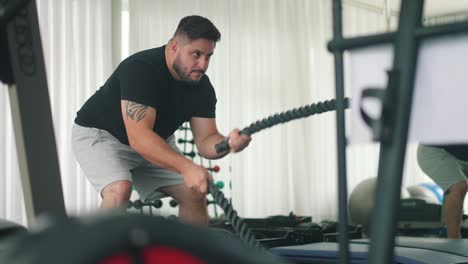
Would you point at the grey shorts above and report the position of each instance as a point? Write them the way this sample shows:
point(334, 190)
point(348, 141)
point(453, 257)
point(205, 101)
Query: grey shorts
point(104, 160)
point(442, 167)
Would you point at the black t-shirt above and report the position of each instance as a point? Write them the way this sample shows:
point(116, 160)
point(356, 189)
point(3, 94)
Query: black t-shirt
point(145, 79)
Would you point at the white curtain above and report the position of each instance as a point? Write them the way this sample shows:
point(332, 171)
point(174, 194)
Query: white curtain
point(76, 38)
point(273, 57)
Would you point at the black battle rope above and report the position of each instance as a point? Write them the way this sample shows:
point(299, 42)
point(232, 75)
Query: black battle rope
point(239, 226)
point(296, 113)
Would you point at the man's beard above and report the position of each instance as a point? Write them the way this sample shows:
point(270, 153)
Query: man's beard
point(184, 76)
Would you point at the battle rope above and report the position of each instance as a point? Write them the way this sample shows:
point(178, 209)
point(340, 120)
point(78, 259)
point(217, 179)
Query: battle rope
point(239, 226)
point(296, 113)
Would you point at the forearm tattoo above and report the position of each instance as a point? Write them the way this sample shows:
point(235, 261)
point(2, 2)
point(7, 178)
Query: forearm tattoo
point(136, 111)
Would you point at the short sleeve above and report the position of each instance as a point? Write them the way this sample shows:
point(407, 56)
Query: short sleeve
point(140, 82)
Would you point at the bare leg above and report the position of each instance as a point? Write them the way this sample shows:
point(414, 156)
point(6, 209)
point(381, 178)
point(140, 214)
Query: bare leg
point(116, 195)
point(192, 206)
point(453, 208)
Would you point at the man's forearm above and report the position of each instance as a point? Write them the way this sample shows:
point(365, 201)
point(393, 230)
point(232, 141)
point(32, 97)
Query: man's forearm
point(156, 150)
point(207, 147)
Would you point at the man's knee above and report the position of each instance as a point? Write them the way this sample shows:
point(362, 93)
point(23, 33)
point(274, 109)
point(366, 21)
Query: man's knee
point(119, 191)
point(459, 189)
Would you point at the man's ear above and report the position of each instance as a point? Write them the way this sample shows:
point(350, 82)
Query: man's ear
point(173, 45)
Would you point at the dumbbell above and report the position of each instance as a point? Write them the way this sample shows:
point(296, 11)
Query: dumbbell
point(138, 204)
point(173, 203)
point(214, 169)
point(220, 184)
point(191, 154)
point(181, 141)
point(157, 204)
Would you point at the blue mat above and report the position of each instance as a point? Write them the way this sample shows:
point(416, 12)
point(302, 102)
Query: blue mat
point(451, 246)
point(326, 252)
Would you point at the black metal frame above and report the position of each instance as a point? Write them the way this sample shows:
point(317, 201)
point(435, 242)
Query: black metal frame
point(393, 125)
point(341, 139)
point(31, 114)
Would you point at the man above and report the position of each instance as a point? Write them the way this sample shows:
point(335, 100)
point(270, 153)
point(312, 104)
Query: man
point(123, 135)
point(448, 167)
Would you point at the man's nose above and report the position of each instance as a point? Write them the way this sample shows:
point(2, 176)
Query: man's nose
point(203, 64)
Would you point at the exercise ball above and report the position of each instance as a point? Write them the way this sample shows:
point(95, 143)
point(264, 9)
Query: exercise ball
point(361, 201)
point(429, 192)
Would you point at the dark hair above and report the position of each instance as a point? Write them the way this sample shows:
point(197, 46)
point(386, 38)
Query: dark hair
point(195, 27)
